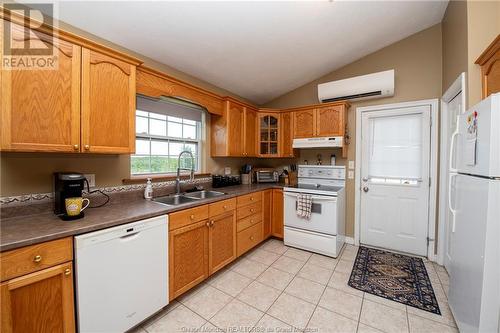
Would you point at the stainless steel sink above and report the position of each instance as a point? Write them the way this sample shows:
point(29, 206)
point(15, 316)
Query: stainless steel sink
point(174, 200)
point(203, 194)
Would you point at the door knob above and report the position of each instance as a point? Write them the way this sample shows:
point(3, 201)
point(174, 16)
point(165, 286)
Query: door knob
point(366, 189)
point(365, 179)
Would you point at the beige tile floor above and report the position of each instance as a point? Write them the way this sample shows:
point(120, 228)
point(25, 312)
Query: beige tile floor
point(275, 288)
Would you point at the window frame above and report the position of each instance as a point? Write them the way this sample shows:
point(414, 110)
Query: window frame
point(198, 142)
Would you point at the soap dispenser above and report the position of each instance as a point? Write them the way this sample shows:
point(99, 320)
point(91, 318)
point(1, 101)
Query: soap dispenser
point(148, 191)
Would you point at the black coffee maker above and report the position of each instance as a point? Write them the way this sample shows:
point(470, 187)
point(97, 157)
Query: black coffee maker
point(67, 185)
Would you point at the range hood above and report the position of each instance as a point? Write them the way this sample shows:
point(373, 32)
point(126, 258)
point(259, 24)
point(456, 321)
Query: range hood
point(324, 142)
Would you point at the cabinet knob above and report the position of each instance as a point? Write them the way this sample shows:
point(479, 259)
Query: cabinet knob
point(251, 238)
point(225, 207)
point(67, 271)
point(252, 210)
point(251, 221)
point(251, 199)
point(37, 258)
point(75, 147)
point(87, 147)
point(211, 223)
point(191, 217)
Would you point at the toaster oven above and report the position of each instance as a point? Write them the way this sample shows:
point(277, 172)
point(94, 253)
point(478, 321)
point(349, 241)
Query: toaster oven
point(266, 176)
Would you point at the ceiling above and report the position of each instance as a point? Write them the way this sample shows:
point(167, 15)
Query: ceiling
point(257, 50)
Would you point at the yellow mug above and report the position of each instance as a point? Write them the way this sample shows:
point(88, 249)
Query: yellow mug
point(74, 205)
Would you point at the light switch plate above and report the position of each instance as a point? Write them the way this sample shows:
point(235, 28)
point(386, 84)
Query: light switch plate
point(350, 174)
point(91, 178)
point(351, 165)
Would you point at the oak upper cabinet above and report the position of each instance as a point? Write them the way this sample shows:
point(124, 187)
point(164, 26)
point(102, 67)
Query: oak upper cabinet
point(304, 123)
point(250, 133)
point(40, 109)
point(286, 134)
point(39, 302)
point(489, 61)
point(330, 121)
point(108, 104)
point(188, 257)
point(268, 131)
point(234, 133)
point(277, 213)
point(222, 241)
point(267, 200)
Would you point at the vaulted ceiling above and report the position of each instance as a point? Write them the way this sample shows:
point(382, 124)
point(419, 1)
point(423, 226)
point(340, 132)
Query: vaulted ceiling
point(258, 50)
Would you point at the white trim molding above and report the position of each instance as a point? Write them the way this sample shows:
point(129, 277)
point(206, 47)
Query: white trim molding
point(457, 87)
point(433, 171)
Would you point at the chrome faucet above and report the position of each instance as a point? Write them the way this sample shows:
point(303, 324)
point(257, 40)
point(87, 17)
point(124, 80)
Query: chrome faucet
point(191, 177)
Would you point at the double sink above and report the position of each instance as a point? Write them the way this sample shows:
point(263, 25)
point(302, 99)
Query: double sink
point(179, 199)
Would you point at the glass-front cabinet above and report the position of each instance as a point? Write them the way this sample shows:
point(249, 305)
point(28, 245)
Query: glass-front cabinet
point(269, 134)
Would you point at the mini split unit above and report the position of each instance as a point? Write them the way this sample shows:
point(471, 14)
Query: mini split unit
point(375, 85)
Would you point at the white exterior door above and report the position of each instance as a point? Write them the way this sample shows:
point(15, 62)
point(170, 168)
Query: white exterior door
point(454, 109)
point(395, 165)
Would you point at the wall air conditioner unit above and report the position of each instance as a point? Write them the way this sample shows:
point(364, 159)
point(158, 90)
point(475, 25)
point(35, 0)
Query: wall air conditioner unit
point(375, 85)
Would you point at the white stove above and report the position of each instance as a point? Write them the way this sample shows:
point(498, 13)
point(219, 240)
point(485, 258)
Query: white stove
point(324, 232)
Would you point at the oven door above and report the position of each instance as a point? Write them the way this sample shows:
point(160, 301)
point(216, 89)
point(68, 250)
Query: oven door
point(324, 215)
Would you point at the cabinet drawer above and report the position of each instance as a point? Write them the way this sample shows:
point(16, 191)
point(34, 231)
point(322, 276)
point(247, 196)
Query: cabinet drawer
point(248, 210)
point(221, 207)
point(187, 216)
point(248, 238)
point(249, 198)
point(248, 221)
point(35, 257)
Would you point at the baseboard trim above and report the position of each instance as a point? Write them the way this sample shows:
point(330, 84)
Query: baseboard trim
point(349, 240)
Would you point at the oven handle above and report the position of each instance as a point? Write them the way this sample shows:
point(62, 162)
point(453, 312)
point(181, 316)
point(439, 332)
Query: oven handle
point(314, 197)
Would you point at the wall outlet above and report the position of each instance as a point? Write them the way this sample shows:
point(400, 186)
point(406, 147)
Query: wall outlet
point(91, 178)
point(351, 165)
point(350, 174)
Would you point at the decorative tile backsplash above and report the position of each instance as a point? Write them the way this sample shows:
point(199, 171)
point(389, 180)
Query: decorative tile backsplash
point(38, 198)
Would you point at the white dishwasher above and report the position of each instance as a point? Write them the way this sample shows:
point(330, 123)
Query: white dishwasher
point(121, 275)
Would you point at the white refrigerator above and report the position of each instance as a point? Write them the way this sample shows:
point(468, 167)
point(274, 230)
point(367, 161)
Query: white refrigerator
point(474, 294)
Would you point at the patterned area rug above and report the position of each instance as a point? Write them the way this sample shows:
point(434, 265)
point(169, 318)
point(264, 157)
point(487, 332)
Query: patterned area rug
point(394, 276)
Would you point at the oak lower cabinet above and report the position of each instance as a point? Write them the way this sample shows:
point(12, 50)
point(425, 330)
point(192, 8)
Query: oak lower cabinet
point(36, 292)
point(267, 213)
point(277, 213)
point(222, 241)
point(39, 302)
point(188, 257)
point(200, 248)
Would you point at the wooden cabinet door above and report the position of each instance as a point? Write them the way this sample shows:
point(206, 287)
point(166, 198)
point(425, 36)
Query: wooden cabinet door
point(330, 121)
point(222, 241)
point(41, 108)
point(277, 215)
point(250, 136)
point(235, 129)
point(266, 212)
point(39, 302)
point(108, 104)
point(188, 257)
point(303, 123)
point(286, 135)
point(269, 134)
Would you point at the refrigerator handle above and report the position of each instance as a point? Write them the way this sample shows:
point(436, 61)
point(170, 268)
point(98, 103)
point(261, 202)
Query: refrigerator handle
point(450, 206)
point(452, 149)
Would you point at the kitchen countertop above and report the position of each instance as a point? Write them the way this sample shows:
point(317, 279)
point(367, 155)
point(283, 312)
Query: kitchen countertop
point(17, 232)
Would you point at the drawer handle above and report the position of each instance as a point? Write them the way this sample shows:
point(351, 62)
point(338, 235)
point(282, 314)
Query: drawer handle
point(252, 210)
point(211, 223)
point(207, 224)
point(87, 147)
point(251, 198)
point(251, 221)
point(75, 147)
point(37, 258)
point(225, 207)
point(191, 217)
point(251, 238)
point(67, 271)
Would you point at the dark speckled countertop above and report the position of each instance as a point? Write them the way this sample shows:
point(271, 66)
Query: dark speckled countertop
point(17, 232)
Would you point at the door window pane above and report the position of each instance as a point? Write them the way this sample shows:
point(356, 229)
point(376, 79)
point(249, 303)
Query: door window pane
point(396, 146)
